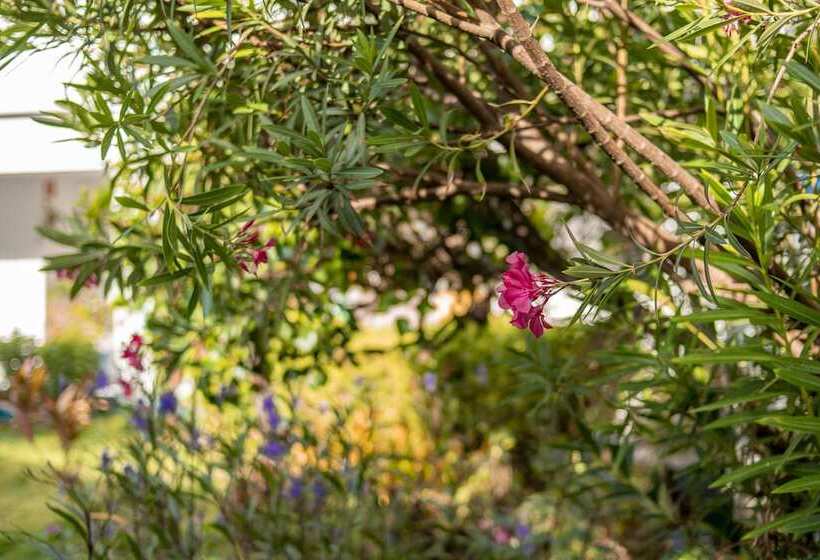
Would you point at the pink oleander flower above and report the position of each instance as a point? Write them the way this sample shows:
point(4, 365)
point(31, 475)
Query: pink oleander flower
point(526, 294)
point(734, 19)
point(132, 352)
point(70, 274)
point(260, 256)
point(127, 388)
point(249, 252)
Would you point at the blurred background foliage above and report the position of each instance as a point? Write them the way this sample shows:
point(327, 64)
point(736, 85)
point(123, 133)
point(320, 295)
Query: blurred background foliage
point(281, 172)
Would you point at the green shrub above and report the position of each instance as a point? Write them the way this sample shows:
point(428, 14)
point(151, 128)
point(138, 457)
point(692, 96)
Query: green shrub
point(14, 350)
point(282, 165)
point(70, 359)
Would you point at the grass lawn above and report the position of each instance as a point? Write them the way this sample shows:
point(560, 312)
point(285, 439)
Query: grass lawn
point(23, 500)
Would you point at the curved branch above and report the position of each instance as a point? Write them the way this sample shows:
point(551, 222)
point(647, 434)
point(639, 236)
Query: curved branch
point(444, 191)
point(491, 31)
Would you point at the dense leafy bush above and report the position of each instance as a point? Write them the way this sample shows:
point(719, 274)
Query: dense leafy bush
point(14, 350)
point(70, 359)
point(278, 166)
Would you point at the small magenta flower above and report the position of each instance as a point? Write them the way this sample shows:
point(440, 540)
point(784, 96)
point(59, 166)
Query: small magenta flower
point(271, 414)
point(734, 19)
point(501, 535)
point(132, 352)
point(260, 256)
point(526, 294)
point(248, 250)
point(127, 389)
point(71, 273)
point(168, 403)
point(430, 381)
point(248, 236)
point(273, 449)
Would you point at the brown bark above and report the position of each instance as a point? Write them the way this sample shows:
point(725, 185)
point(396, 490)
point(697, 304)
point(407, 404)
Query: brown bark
point(531, 146)
point(491, 31)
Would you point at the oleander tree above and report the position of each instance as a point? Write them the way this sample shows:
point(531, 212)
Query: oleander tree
point(267, 159)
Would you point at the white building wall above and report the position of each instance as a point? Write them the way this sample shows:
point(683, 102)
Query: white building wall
point(32, 158)
point(22, 298)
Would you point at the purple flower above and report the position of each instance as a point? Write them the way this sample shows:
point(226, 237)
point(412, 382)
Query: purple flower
point(273, 449)
point(296, 488)
point(319, 492)
point(430, 382)
point(482, 374)
point(168, 403)
point(526, 294)
point(271, 414)
point(140, 419)
point(105, 460)
point(100, 381)
point(194, 444)
point(224, 394)
point(131, 474)
point(522, 531)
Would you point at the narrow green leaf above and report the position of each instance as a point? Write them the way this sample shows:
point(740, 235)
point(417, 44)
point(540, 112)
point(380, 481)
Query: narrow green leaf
point(70, 261)
point(60, 237)
point(732, 314)
point(166, 277)
point(738, 399)
point(736, 419)
point(752, 471)
point(309, 114)
point(804, 74)
point(419, 105)
point(163, 60)
point(129, 202)
point(186, 44)
point(791, 308)
point(359, 173)
point(802, 484)
point(799, 378)
point(804, 424)
point(169, 237)
point(729, 355)
point(711, 117)
point(778, 523)
point(214, 196)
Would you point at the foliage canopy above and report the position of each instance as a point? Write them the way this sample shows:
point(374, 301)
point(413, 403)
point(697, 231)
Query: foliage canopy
point(403, 148)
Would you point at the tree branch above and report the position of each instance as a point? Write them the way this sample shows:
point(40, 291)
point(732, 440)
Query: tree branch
point(493, 32)
point(587, 189)
point(580, 106)
point(444, 191)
